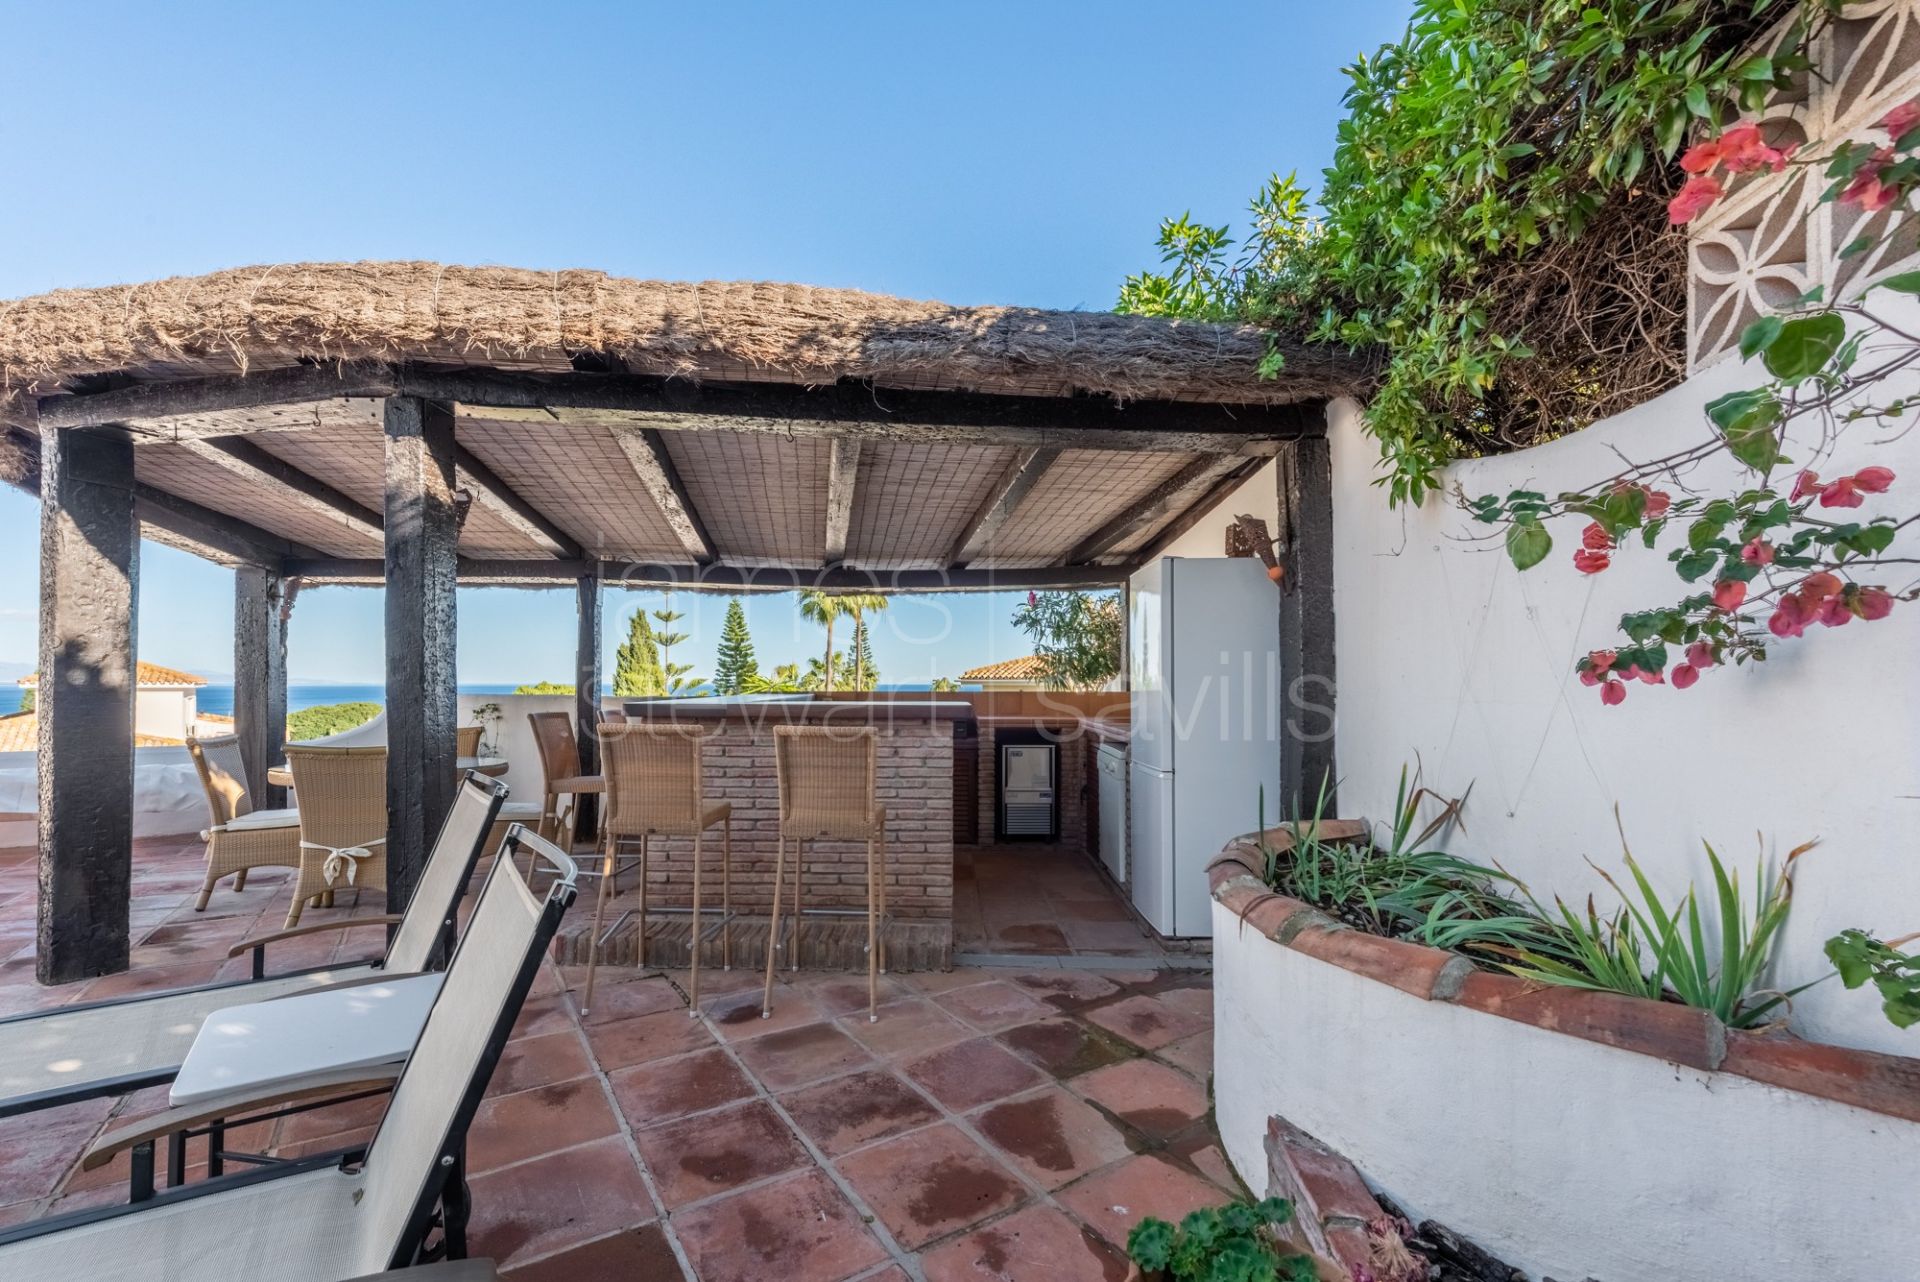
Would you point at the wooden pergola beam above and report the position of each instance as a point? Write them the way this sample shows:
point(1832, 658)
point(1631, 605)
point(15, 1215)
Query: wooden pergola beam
point(89, 592)
point(1009, 492)
point(241, 457)
point(653, 468)
point(722, 578)
point(843, 475)
point(262, 606)
point(1304, 478)
point(494, 494)
point(1154, 506)
point(142, 406)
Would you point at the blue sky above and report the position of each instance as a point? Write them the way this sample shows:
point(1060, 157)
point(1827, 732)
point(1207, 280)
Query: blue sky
point(978, 153)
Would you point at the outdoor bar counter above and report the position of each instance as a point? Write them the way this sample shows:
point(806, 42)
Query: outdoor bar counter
point(914, 780)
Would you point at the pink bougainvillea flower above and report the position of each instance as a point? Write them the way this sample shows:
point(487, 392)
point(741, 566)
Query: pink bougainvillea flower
point(1702, 157)
point(1729, 593)
point(1651, 676)
point(1873, 480)
point(1758, 552)
point(1588, 561)
point(1873, 603)
point(1595, 538)
point(1684, 675)
point(1033, 598)
point(1789, 618)
point(1866, 190)
point(1804, 484)
point(1612, 692)
point(1743, 150)
point(1833, 613)
point(1588, 677)
point(1841, 493)
point(1898, 121)
point(1658, 501)
point(1700, 655)
point(1694, 198)
point(1601, 660)
point(1820, 585)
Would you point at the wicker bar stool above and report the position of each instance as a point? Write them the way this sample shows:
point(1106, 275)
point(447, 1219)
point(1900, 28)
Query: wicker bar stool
point(343, 822)
point(654, 789)
point(560, 764)
point(827, 792)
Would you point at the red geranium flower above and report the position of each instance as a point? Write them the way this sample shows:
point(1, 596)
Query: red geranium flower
point(1699, 192)
point(1729, 593)
point(1873, 480)
point(1588, 561)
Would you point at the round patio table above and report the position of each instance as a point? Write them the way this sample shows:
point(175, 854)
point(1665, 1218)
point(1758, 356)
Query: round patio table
point(282, 777)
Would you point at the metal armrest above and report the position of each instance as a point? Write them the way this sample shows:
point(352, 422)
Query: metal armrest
point(261, 941)
point(157, 1127)
point(377, 977)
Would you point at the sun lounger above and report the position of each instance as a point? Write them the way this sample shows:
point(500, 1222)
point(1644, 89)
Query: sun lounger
point(111, 1047)
point(337, 1217)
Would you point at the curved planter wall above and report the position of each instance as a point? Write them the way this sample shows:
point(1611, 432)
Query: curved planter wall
point(1573, 1134)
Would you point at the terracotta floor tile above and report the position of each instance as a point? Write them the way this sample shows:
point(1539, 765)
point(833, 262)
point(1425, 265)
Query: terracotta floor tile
point(540, 1061)
point(1041, 938)
point(512, 1128)
point(930, 1183)
point(847, 1112)
point(1101, 908)
point(665, 1089)
point(972, 1073)
point(1147, 1095)
point(641, 1254)
point(1117, 1199)
point(1198, 1149)
point(1066, 989)
point(908, 1027)
point(622, 1043)
point(846, 994)
point(1105, 936)
point(736, 1015)
point(556, 1202)
point(943, 981)
point(1194, 1000)
point(1053, 1136)
point(1192, 1054)
point(794, 1056)
point(1066, 1047)
point(994, 1006)
point(1146, 1021)
point(697, 1157)
point(627, 999)
point(550, 1013)
point(796, 1230)
point(1037, 1243)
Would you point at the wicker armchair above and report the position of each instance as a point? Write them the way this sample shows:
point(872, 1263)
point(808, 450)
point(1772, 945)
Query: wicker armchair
point(560, 764)
point(343, 821)
point(241, 837)
point(827, 792)
point(466, 740)
point(654, 789)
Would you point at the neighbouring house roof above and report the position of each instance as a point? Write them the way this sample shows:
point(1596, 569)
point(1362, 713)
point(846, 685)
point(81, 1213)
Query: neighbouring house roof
point(20, 732)
point(215, 717)
point(148, 674)
point(1027, 668)
point(288, 314)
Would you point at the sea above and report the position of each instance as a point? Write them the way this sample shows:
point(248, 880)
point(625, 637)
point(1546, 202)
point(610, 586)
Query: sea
point(218, 699)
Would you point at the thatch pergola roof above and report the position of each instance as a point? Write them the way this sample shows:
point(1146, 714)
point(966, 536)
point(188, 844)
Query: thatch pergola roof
point(255, 318)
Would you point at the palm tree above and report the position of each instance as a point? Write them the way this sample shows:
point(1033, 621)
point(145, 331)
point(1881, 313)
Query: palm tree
point(857, 604)
point(823, 608)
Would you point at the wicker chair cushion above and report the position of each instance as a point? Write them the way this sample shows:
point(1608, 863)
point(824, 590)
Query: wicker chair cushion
point(289, 818)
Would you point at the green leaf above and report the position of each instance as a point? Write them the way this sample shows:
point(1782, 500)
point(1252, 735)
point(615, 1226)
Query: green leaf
point(1695, 564)
point(1904, 283)
point(1759, 336)
point(1804, 345)
point(1528, 544)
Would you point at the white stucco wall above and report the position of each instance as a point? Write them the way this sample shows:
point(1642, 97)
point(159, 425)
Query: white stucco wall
point(1567, 1158)
point(1450, 657)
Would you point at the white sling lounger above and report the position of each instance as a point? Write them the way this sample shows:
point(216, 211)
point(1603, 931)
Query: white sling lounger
point(333, 1218)
point(59, 1056)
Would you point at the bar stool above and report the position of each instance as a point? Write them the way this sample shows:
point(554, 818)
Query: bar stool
point(826, 777)
point(654, 789)
point(560, 764)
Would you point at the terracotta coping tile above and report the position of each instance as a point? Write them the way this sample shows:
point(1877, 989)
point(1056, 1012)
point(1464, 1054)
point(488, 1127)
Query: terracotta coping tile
point(1680, 1034)
point(1426, 972)
point(1879, 1083)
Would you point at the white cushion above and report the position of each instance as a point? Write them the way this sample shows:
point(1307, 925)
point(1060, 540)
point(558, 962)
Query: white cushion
point(289, 818)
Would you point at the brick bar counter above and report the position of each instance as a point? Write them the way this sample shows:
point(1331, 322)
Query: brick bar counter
point(914, 778)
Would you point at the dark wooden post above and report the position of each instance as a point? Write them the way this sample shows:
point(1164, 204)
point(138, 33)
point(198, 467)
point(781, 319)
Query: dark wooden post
point(586, 694)
point(262, 602)
point(89, 590)
point(421, 565)
point(1305, 480)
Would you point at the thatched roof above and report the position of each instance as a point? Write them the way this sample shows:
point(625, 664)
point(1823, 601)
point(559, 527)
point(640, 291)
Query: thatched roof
point(255, 318)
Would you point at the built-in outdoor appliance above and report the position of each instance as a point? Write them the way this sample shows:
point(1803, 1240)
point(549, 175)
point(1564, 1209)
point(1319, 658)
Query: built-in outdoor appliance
point(1027, 780)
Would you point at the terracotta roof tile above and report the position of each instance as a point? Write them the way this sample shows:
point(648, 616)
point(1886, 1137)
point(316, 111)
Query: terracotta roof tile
point(151, 674)
point(1028, 668)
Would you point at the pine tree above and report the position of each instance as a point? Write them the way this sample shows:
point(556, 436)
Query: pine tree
point(674, 680)
point(866, 673)
point(734, 666)
point(636, 666)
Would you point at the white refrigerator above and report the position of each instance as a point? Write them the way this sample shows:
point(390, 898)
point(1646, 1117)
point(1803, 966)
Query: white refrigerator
point(1203, 660)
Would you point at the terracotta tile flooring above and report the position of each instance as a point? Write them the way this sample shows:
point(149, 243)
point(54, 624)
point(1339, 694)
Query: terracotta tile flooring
point(1040, 900)
point(1004, 1123)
